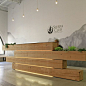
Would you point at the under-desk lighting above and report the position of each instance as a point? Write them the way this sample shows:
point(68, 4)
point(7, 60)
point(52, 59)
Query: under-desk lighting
point(33, 65)
point(33, 73)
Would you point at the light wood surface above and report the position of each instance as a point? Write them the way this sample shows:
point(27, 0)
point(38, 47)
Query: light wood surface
point(39, 62)
point(72, 74)
point(40, 58)
point(63, 55)
point(33, 46)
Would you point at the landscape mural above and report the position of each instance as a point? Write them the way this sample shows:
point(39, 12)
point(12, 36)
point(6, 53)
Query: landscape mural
point(77, 39)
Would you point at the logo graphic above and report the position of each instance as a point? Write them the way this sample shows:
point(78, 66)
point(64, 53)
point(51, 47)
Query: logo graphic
point(50, 30)
point(55, 29)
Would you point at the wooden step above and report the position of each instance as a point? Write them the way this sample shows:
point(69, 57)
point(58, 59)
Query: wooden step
point(32, 46)
point(72, 74)
point(63, 55)
point(39, 62)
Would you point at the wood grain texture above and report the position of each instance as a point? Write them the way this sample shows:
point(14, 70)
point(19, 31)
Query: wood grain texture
point(46, 61)
point(63, 55)
point(39, 62)
point(34, 46)
point(62, 73)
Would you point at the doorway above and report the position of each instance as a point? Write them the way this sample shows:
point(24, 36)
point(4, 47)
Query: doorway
point(1, 44)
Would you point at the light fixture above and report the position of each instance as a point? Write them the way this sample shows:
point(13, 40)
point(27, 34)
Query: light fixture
point(37, 6)
point(37, 9)
point(23, 9)
point(23, 15)
point(12, 19)
point(56, 2)
point(13, 15)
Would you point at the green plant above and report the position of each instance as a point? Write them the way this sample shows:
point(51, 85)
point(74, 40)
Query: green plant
point(58, 49)
point(6, 45)
point(72, 48)
point(65, 50)
point(83, 49)
point(14, 43)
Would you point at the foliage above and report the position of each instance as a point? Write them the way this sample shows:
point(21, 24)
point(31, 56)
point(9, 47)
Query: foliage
point(58, 49)
point(72, 48)
point(65, 50)
point(83, 49)
point(6, 45)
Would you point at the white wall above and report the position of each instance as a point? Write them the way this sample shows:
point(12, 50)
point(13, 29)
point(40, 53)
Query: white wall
point(33, 28)
point(3, 25)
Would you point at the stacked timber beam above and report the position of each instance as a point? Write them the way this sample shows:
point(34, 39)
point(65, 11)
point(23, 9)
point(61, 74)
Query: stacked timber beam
point(41, 58)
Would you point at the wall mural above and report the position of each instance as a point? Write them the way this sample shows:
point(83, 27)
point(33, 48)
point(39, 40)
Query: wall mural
point(77, 38)
point(13, 39)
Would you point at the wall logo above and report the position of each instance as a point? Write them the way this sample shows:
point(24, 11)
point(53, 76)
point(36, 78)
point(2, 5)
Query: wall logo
point(50, 30)
point(55, 29)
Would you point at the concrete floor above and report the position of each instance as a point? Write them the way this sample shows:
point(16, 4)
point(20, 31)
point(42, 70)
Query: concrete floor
point(9, 77)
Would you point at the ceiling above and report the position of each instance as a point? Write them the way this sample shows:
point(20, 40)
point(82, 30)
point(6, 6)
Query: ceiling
point(4, 4)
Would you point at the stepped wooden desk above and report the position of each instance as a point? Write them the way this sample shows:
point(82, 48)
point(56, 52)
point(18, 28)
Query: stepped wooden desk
point(40, 58)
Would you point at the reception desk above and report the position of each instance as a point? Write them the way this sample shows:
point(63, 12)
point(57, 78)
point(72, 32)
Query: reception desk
point(41, 59)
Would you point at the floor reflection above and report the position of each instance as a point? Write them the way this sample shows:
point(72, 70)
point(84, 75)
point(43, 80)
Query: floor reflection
point(10, 77)
point(32, 81)
point(1, 71)
point(22, 79)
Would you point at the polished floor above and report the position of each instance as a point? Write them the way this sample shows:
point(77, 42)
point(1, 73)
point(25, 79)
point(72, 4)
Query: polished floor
point(9, 77)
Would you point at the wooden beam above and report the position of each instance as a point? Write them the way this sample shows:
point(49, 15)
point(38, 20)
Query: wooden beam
point(72, 74)
point(62, 55)
point(34, 46)
point(39, 62)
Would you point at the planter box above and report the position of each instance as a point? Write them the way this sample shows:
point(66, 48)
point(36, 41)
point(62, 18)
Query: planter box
point(32, 46)
point(63, 55)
